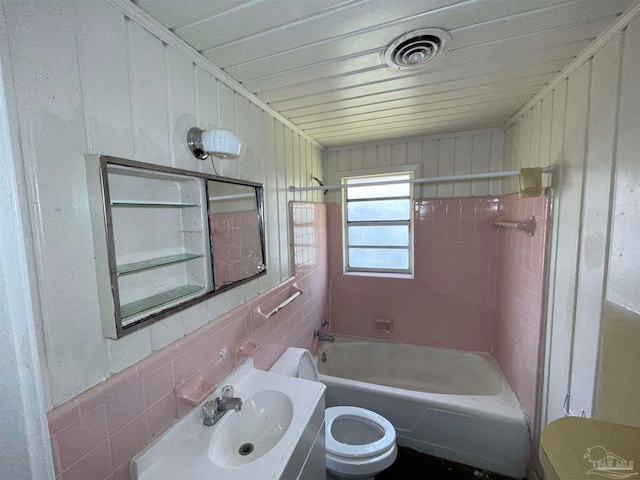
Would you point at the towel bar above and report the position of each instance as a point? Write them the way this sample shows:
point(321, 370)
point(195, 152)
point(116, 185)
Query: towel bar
point(295, 295)
point(528, 226)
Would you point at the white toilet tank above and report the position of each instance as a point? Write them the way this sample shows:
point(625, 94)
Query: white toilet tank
point(296, 362)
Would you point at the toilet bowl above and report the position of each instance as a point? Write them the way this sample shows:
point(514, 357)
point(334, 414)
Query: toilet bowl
point(359, 443)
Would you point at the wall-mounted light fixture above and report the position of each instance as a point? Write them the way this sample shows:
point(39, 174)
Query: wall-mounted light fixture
point(219, 142)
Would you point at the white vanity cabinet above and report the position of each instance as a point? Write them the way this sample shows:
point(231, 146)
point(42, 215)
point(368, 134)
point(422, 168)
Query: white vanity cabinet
point(308, 460)
point(152, 240)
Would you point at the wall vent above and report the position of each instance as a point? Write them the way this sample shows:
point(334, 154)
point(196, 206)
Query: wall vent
point(414, 49)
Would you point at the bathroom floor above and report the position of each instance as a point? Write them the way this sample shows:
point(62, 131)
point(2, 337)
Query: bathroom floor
point(411, 464)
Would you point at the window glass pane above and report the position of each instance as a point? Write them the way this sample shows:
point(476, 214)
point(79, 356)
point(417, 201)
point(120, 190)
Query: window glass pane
point(379, 258)
point(373, 235)
point(381, 191)
point(378, 210)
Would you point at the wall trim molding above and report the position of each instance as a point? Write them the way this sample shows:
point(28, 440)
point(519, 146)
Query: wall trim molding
point(135, 13)
point(625, 19)
point(423, 138)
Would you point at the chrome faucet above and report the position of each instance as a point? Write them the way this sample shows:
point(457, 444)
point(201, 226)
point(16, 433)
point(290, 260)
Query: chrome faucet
point(214, 410)
point(322, 337)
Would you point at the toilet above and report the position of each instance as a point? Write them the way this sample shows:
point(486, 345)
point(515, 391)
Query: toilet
point(359, 443)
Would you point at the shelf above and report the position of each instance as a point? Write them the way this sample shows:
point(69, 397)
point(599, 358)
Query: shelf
point(195, 391)
point(155, 262)
point(118, 203)
point(247, 348)
point(154, 301)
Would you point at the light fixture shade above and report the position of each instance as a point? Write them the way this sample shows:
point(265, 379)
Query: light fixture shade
point(221, 142)
point(218, 141)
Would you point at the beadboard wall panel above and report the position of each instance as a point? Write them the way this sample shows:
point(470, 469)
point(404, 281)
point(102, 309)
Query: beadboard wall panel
point(96, 81)
point(454, 154)
point(579, 127)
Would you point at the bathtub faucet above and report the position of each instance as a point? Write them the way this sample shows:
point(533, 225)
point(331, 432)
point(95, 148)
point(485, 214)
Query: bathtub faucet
point(322, 337)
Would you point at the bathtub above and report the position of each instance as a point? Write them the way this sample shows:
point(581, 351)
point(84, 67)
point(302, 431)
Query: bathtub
point(447, 403)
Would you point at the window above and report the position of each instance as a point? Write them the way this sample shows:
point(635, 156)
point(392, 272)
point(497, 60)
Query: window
point(378, 224)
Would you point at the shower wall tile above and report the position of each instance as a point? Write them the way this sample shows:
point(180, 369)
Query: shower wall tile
point(475, 286)
point(520, 281)
point(450, 300)
point(96, 434)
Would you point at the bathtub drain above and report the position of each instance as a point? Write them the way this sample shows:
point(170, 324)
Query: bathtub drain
point(245, 449)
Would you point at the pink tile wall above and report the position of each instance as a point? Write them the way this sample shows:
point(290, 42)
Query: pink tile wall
point(450, 301)
point(521, 259)
point(95, 435)
point(236, 245)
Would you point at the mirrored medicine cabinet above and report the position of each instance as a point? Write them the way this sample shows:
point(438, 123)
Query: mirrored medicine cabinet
point(167, 238)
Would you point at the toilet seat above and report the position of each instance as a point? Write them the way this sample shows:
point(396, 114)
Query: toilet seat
point(367, 442)
point(362, 451)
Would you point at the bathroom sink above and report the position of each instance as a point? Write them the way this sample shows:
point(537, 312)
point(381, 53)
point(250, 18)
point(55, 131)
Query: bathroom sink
point(269, 438)
point(244, 436)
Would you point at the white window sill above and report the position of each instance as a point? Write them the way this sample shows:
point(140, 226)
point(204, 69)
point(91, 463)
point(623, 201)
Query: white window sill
point(402, 276)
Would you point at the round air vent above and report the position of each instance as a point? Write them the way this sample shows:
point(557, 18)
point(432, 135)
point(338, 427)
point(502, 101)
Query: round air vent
point(414, 49)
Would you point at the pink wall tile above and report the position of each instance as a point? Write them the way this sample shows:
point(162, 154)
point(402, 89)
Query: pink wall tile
point(455, 251)
point(129, 440)
point(156, 360)
point(185, 365)
point(475, 287)
point(94, 465)
point(122, 472)
point(161, 415)
point(81, 436)
point(236, 241)
point(206, 351)
point(520, 283)
point(158, 384)
point(95, 435)
point(122, 408)
point(55, 453)
point(63, 415)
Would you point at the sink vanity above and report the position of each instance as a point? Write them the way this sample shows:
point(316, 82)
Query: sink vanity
point(278, 433)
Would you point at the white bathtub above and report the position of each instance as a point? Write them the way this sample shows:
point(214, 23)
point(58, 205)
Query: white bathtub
point(447, 403)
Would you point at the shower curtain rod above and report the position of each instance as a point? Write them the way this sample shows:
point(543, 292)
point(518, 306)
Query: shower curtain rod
point(472, 176)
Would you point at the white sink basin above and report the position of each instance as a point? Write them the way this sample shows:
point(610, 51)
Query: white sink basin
point(245, 436)
point(264, 440)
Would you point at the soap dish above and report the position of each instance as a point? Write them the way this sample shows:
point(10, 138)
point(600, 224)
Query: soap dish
point(194, 392)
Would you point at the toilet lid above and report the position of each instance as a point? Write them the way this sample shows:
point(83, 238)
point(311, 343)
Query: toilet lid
point(355, 432)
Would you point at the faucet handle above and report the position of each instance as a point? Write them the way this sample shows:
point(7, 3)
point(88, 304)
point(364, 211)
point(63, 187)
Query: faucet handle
point(210, 407)
point(227, 391)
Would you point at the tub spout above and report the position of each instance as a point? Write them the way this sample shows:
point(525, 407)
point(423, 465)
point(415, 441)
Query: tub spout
point(322, 337)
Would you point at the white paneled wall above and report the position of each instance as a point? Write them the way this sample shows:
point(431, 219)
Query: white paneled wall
point(455, 154)
point(587, 127)
point(91, 80)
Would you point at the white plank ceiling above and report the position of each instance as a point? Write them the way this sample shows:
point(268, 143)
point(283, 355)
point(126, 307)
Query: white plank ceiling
point(320, 62)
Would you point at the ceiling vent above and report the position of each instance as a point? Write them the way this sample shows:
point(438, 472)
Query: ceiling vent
point(414, 49)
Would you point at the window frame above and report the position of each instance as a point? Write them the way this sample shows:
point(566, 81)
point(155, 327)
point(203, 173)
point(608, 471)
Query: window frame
point(410, 170)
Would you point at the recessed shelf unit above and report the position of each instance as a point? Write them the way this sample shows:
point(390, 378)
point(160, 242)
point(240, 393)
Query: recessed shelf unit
point(156, 252)
point(120, 203)
point(156, 262)
point(152, 238)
